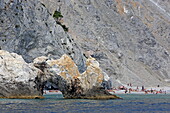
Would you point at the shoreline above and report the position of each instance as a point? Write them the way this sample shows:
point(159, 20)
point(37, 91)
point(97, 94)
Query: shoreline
point(156, 90)
point(139, 90)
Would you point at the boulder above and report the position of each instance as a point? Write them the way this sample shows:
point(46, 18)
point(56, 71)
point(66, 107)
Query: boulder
point(18, 79)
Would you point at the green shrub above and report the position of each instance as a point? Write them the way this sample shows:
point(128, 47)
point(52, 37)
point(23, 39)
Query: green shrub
point(57, 15)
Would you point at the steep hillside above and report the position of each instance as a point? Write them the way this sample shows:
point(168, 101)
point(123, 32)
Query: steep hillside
point(129, 38)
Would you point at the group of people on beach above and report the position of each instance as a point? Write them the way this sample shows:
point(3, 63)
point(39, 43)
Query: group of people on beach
point(129, 89)
point(155, 91)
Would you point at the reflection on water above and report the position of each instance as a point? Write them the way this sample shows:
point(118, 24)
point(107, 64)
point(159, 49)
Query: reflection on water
point(56, 104)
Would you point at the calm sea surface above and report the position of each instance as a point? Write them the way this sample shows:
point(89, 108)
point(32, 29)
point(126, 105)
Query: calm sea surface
point(56, 104)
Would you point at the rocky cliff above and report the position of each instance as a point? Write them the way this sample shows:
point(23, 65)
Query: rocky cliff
point(27, 28)
point(129, 38)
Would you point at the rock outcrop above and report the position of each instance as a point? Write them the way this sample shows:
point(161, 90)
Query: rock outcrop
point(64, 73)
point(17, 78)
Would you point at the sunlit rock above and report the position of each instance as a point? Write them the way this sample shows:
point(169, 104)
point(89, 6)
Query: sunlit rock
point(17, 78)
point(64, 73)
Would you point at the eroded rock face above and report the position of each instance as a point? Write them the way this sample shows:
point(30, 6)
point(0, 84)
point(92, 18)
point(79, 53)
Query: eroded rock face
point(28, 29)
point(64, 73)
point(129, 38)
point(17, 78)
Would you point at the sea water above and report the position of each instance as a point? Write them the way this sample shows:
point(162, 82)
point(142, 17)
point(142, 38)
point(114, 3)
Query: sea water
point(56, 104)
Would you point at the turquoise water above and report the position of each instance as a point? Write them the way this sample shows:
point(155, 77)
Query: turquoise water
point(56, 104)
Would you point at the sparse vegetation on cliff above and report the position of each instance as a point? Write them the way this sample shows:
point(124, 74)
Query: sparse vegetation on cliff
point(57, 15)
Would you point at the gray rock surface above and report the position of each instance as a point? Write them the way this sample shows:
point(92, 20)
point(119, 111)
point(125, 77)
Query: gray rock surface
point(27, 28)
point(17, 78)
point(129, 38)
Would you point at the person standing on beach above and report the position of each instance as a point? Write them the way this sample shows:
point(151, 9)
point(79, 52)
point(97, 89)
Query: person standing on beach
point(137, 88)
point(151, 90)
point(143, 88)
point(130, 90)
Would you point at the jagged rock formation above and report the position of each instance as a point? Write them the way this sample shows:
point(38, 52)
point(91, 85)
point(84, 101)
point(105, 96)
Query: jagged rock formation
point(64, 73)
point(17, 78)
point(129, 38)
